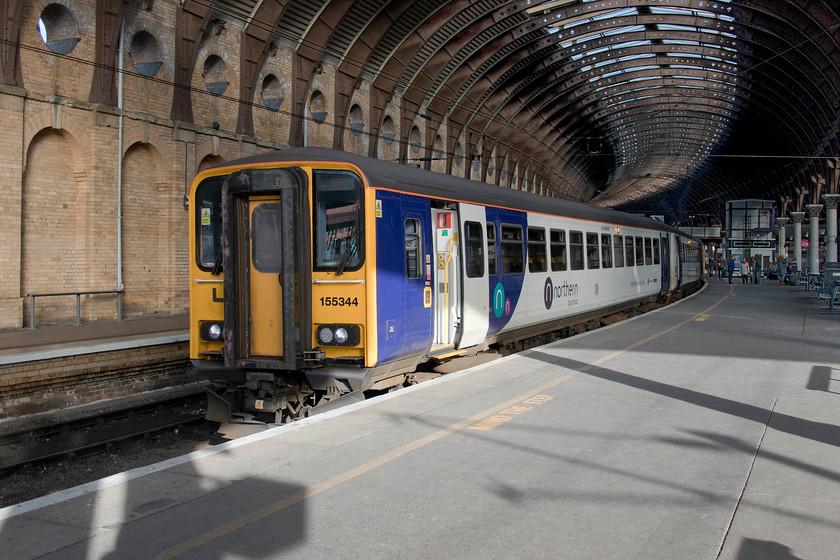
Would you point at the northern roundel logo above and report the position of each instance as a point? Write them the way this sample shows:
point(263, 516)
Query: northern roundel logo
point(548, 293)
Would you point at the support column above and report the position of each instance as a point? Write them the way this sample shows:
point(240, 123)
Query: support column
point(814, 237)
point(781, 252)
point(796, 218)
point(831, 202)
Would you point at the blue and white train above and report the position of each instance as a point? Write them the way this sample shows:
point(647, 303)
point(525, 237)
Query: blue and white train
point(315, 274)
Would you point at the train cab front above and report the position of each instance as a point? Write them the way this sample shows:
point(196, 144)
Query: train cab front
point(277, 289)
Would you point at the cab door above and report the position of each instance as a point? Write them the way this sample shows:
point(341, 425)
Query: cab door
point(265, 276)
point(665, 262)
point(259, 263)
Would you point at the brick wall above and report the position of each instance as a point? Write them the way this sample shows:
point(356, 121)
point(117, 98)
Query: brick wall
point(60, 157)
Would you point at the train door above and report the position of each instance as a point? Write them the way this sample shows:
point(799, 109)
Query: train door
point(447, 278)
point(475, 312)
point(259, 236)
point(665, 260)
point(676, 261)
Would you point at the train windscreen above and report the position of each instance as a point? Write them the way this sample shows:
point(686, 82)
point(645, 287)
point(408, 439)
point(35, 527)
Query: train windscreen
point(337, 221)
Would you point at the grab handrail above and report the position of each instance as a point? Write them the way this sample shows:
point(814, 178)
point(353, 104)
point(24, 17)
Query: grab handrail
point(78, 295)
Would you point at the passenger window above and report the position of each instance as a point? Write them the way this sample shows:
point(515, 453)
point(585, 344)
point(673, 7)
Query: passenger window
point(629, 259)
point(491, 249)
point(512, 250)
point(592, 252)
point(536, 250)
point(648, 252)
point(576, 249)
point(618, 246)
point(656, 259)
point(474, 249)
point(606, 251)
point(558, 250)
point(640, 251)
point(412, 248)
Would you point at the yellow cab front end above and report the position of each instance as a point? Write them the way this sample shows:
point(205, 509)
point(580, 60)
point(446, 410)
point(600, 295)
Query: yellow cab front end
point(281, 284)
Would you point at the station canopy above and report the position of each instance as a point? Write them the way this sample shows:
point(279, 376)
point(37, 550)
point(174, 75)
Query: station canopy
point(662, 106)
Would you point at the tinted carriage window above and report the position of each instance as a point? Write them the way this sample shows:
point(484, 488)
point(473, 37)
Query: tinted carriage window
point(629, 259)
point(474, 249)
point(412, 248)
point(592, 252)
point(512, 250)
point(640, 251)
point(656, 259)
point(606, 251)
point(536, 250)
point(491, 249)
point(337, 219)
point(576, 249)
point(558, 250)
point(648, 252)
point(618, 246)
point(208, 219)
point(267, 237)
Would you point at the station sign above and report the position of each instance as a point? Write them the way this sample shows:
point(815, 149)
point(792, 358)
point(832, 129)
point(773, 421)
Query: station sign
point(751, 243)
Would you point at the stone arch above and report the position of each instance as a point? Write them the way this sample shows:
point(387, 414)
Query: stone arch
point(317, 112)
point(414, 145)
point(146, 208)
point(355, 137)
point(53, 224)
point(56, 119)
point(388, 139)
point(209, 160)
point(144, 134)
point(213, 149)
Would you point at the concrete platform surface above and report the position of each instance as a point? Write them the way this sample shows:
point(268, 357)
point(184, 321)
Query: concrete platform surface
point(708, 429)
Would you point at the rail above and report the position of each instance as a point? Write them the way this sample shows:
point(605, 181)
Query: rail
point(78, 295)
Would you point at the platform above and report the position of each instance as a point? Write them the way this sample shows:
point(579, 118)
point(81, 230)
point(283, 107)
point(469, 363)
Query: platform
point(708, 429)
point(53, 341)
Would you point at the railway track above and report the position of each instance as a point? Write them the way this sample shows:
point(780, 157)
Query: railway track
point(97, 434)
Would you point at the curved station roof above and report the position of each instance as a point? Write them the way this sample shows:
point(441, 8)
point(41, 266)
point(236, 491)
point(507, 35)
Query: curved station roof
point(665, 106)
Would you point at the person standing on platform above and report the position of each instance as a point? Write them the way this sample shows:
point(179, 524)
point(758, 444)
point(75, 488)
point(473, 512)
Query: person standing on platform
point(730, 267)
point(781, 264)
point(745, 271)
point(756, 271)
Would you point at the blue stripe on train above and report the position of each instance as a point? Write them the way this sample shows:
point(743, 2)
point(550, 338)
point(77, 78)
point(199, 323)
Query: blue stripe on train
point(404, 325)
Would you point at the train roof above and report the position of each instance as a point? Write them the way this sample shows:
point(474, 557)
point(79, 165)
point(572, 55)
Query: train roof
point(388, 175)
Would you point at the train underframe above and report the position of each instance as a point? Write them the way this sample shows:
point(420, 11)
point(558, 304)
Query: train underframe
point(279, 397)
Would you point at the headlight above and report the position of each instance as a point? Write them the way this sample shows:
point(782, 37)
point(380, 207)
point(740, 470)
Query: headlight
point(325, 335)
point(212, 331)
point(339, 335)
